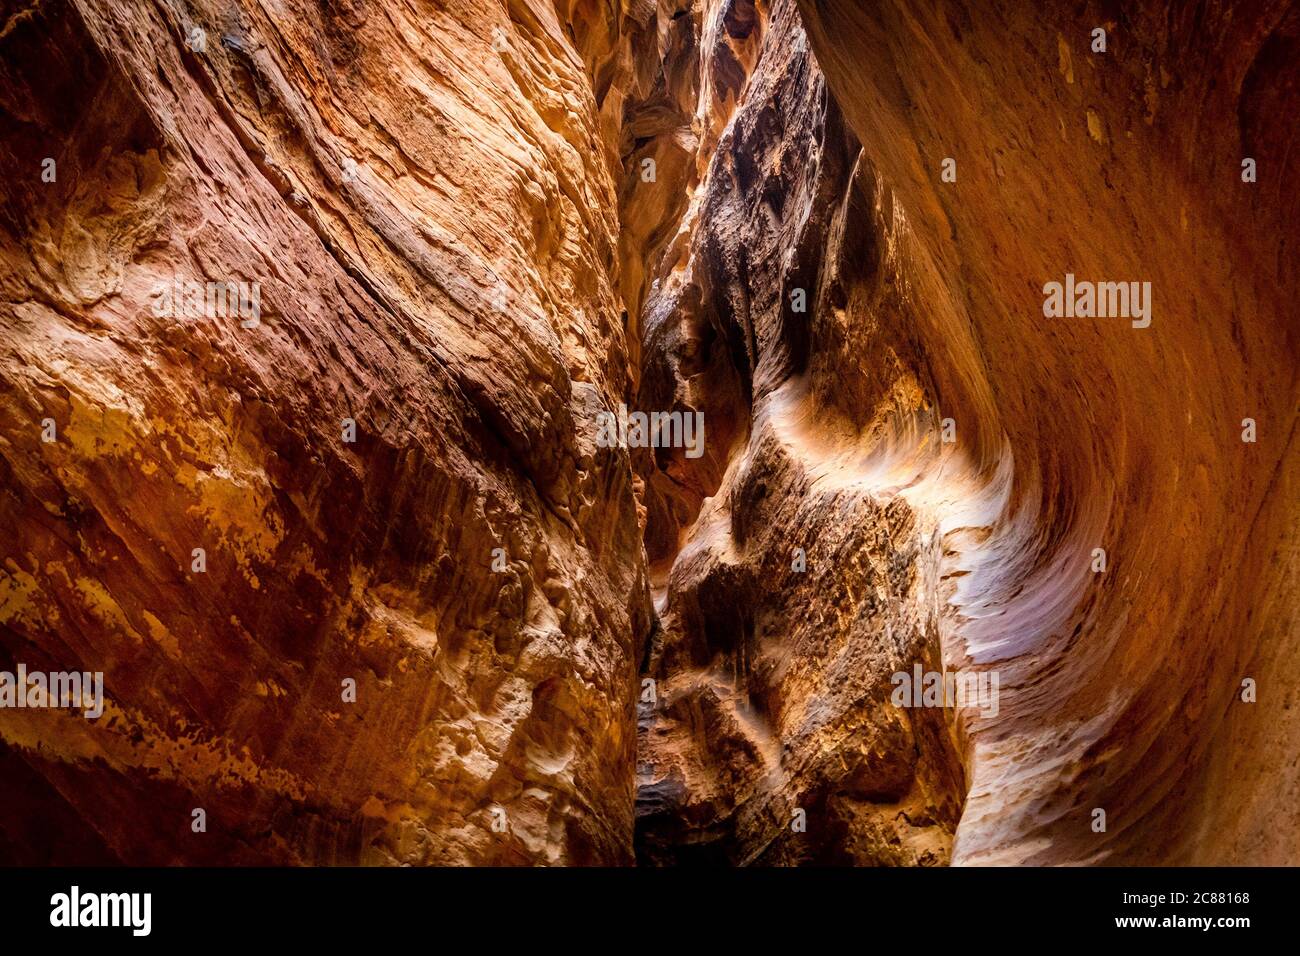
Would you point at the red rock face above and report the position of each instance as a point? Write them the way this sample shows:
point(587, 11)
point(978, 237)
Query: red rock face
point(426, 206)
point(1121, 690)
point(312, 325)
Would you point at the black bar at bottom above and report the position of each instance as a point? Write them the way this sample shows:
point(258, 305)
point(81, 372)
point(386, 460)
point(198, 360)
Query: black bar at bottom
point(449, 907)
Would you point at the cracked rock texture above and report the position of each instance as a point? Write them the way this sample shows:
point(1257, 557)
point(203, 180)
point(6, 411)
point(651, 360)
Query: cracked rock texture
point(473, 635)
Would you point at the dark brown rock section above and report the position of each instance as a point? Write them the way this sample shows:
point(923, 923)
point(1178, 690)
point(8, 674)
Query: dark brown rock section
point(787, 595)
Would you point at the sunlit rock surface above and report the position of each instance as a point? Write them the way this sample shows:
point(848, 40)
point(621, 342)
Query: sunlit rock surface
point(426, 197)
point(1121, 690)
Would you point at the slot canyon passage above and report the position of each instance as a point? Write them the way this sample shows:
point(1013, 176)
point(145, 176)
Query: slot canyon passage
point(469, 631)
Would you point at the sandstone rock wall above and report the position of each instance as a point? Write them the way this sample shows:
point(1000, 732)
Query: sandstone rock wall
point(1122, 690)
point(426, 195)
point(435, 620)
point(789, 587)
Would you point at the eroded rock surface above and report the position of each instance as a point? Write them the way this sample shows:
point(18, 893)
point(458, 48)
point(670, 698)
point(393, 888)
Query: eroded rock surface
point(789, 587)
point(475, 227)
point(426, 197)
point(1122, 689)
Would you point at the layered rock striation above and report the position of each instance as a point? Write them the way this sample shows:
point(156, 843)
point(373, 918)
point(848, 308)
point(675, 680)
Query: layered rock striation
point(310, 325)
point(1172, 447)
point(392, 473)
